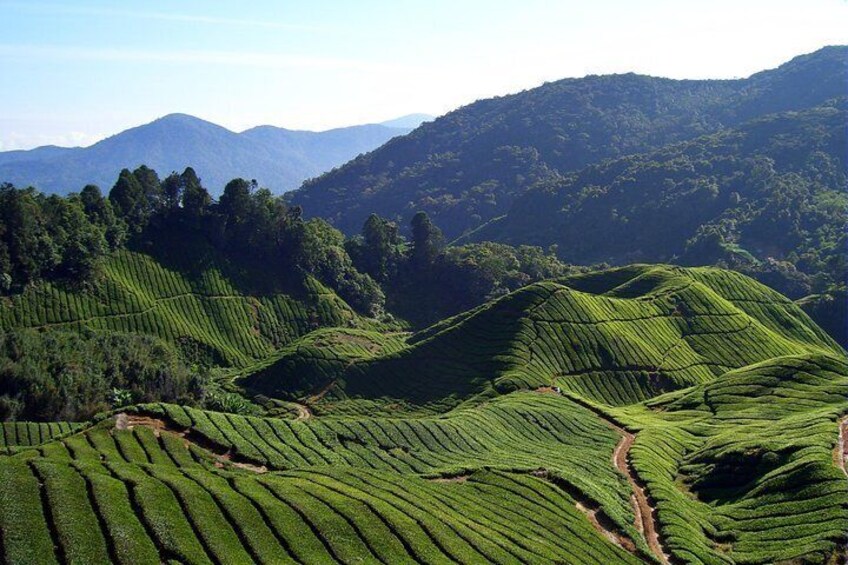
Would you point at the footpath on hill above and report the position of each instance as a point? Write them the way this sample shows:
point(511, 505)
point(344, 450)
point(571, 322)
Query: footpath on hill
point(643, 508)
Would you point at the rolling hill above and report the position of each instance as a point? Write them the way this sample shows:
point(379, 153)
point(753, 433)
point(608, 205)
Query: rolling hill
point(616, 337)
point(470, 165)
point(276, 157)
point(206, 314)
point(642, 414)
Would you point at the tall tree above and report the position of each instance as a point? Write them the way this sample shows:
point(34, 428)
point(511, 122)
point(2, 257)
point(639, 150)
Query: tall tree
point(381, 247)
point(151, 188)
point(127, 196)
point(196, 199)
point(427, 240)
point(172, 191)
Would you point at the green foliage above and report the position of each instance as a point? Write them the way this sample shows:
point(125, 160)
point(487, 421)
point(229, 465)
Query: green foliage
point(370, 502)
point(470, 166)
point(70, 376)
point(830, 311)
point(617, 337)
point(739, 466)
point(223, 401)
point(424, 448)
point(49, 238)
point(766, 198)
point(29, 434)
point(315, 360)
point(203, 313)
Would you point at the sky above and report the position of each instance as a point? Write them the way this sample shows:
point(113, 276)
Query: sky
point(74, 72)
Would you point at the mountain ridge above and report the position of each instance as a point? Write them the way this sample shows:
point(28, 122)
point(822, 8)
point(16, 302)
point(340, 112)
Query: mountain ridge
point(469, 165)
point(277, 157)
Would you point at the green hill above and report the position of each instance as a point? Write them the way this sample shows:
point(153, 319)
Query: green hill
point(749, 468)
point(767, 197)
point(204, 314)
point(639, 414)
point(617, 337)
point(469, 166)
point(148, 495)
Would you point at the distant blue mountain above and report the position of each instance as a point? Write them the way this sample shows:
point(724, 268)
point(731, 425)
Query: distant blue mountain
point(277, 158)
point(410, 121)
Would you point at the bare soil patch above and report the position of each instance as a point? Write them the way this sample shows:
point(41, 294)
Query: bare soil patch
point(840, 450)
point(223, 458)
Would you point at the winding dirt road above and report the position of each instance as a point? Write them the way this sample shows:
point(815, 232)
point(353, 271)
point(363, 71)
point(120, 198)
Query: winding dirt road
point(840, 450)
point(646, 519)
point(646, 513)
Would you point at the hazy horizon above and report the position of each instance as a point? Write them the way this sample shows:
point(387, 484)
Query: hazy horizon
point(84, 72)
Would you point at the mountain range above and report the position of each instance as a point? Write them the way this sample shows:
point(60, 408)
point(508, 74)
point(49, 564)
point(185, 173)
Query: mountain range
point(278, 158)
point(470, 165)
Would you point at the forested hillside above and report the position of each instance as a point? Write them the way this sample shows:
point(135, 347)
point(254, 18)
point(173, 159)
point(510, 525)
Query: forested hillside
point(149, 293)
point(767, 197)
point(468, 166)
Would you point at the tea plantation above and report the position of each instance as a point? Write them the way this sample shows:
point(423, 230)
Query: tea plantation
point(646, 414)
point(202, 313)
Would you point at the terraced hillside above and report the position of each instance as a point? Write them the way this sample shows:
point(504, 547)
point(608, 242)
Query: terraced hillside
point(644, 414)
point(750, 468)
point(617, 337)
point(141, 493)
point(204, 314)
point(21, 435)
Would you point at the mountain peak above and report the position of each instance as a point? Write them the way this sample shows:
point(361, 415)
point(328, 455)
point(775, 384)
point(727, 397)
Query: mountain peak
point(280, 159)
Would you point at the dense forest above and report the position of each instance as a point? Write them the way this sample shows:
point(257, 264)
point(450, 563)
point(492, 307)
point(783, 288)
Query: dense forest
point(469, 166)
point(767, 198)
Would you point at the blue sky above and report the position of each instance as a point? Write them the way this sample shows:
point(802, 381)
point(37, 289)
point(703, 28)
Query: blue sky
point(76, 71)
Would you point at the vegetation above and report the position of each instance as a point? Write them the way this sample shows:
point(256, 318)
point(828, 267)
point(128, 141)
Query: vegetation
point(175, 220)
point(175, 504)
point(68, 376)
point(452, 444)
point(616, 337)
point(767, 199)
point(191, 380)
point(739, 467)
point(178, 284)
point(470, 165)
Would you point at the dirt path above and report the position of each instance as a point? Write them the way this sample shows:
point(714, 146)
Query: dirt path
point(840, 450)
point(646, 514)
point(303, 411)
point(646, 519)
